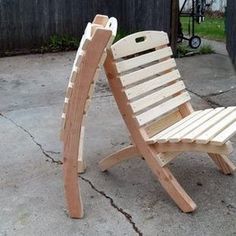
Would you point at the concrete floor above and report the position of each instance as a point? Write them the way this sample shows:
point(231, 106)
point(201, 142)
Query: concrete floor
point(127, 200)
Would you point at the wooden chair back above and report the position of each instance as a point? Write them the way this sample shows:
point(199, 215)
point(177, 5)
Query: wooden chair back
point(150, 80)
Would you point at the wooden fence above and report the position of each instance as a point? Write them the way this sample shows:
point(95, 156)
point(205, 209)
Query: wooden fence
point(231, 29)
point(27, 24)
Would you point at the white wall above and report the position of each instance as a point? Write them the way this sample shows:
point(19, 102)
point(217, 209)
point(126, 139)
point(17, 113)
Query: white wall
point(217, 5)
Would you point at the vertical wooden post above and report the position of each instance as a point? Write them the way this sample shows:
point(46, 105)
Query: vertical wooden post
point(174, 24)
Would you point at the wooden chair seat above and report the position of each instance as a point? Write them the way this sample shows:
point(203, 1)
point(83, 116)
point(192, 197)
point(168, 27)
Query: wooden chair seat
point(214, 126)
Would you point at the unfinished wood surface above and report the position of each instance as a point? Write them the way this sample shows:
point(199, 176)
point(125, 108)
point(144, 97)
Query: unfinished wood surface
point(223, 163)
point(188, 129)
point(164, 136)
point(191, 137)
point(225, 149)
point(157, 96)
point(224, 135)
point(119, 156)
point(137, 61)
point(152, 84)
point(139, 42)
point(81, 161)
point(100, 20)
point(142, 107)
point(167, 157)
point(164, 175)
point(162, 109)
point(75, 115)
point(217, 128)
point(149, 71)
point(163, 123)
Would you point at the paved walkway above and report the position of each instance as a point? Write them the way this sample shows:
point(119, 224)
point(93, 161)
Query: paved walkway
point(31, 187)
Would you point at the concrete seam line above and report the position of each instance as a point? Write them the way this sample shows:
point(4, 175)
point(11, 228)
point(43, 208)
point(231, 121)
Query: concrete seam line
point(119, 209)
point(205, 98)
point(45, 153)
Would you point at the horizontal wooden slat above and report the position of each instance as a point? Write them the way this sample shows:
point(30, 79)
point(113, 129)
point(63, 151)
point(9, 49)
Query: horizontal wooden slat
point(69, 90)
point(164, 136)
point(128, 45)
point(165, 121)
point(143, 59)
point(225, 135)
point(225, 149)
point(86, 37)
point(78, 57)
point(152, 84)
point(73, 76)
point(217, 128)
point(147, 72)
point(178, 136)
point(156, 97)
point(162, 109)
point(191, 137)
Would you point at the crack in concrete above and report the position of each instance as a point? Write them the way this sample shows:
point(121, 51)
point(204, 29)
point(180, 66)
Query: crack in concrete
point(45, 153)
point(219, 93)
point(206, 99)
point(119, 209)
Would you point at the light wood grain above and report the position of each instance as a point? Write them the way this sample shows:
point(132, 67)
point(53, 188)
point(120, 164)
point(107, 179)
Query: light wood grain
point(128, 45)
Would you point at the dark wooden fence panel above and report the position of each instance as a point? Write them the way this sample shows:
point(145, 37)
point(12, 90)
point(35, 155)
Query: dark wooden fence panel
point(30, 23)
point(231, 29)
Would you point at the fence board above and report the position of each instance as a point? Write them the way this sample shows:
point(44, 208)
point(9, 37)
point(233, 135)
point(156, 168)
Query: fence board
point(231, 29)
point(29, 23)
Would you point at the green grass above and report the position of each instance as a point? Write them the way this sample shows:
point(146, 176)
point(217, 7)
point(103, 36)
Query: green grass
point(184, 50)
point(212, 28)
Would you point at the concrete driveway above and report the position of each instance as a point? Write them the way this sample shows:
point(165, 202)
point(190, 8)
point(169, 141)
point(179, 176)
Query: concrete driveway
point(127, 200)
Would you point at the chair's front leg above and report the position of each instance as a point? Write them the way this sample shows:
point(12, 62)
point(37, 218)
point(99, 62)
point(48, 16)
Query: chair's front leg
point(119, 156)
point(223, 163)
point(169, 183)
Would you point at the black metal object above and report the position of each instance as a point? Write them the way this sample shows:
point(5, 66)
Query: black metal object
point(231, 30)
point(195, 15)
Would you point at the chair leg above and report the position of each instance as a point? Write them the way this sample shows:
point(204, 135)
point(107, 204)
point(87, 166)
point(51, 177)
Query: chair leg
point(72, 189)
point(223, 163)
point(119, 156)
point(171, 185)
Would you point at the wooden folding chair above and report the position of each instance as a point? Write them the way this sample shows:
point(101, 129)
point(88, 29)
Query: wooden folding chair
point(90, 56)
point(157, 111)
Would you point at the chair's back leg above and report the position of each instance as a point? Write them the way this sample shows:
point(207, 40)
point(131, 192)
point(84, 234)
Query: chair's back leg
point(223, 163)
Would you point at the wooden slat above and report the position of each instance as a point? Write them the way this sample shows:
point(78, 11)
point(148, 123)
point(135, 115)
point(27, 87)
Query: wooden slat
point(143, 59)
point(164, 135)
point(191, 137)
point(152, 84)
point(128, 45)
point(225, 149)
point(162, 109)
point(217, 128)
point(65, 104)
point(165, 121)
point(225, 135)
point(156, 97)
point(147, 72)
point(79, 57)
point(178, 136)
point(112, 25)
point(73, 76)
